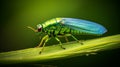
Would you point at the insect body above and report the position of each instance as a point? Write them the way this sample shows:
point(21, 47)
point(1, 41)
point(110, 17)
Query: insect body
point(66, 27)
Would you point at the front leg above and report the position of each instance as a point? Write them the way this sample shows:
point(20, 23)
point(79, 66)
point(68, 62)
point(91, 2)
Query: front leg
point(44, 38)
point(47, 39)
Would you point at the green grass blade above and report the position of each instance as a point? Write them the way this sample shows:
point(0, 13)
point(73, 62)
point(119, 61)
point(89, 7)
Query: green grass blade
point(55, 52)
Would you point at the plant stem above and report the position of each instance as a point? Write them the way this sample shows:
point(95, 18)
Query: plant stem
point(55, 52)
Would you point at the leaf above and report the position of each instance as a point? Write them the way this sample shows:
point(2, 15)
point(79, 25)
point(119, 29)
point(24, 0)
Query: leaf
point(55, 52)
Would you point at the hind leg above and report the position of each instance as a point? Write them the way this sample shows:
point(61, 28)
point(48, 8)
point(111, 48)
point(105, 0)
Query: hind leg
point(74, 38)
point(44, 44)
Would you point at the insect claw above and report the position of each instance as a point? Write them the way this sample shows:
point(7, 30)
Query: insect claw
point(63, 47)
point(81, 43)
point(40, 52)
point(37, 47)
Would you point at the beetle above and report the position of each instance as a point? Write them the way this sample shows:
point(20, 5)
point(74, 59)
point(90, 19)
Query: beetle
point(63, 27)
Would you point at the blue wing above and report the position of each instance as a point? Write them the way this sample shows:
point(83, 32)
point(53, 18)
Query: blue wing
point(84, 26)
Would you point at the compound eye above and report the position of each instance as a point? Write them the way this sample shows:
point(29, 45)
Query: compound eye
point(39, 29)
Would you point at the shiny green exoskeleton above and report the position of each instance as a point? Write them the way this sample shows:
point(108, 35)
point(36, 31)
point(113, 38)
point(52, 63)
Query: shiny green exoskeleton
point(63, 27)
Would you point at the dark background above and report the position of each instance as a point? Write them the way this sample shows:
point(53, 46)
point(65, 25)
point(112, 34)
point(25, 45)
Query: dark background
point(15, 15)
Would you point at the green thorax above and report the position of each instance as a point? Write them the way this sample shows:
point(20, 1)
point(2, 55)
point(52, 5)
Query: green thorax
point(51, 22)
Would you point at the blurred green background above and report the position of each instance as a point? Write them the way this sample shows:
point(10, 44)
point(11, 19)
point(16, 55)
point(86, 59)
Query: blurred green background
point(17, 14)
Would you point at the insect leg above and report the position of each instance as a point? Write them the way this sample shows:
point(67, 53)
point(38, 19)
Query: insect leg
point(59, 42)
point(74, 38)
point(64, 36)
point(45, 37)
point(44, 44)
